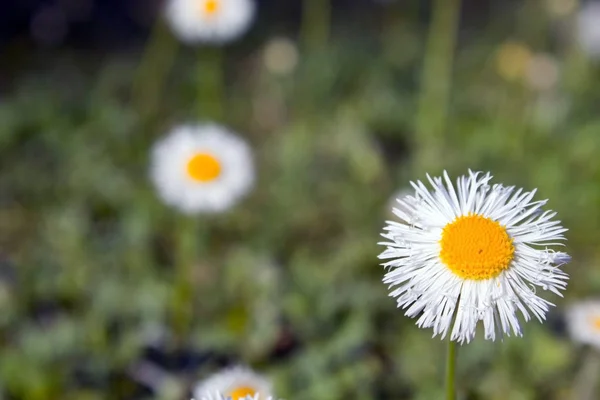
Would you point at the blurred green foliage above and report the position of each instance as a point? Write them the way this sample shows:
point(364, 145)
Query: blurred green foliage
point(100, 268)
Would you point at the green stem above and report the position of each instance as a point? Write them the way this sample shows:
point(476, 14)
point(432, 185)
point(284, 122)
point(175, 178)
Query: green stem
point(137, 223)
point(436, 82)
point(316, 19)
point(186, 236)
point(511, 121)
point(156, 61)
point(451, 370)
point(210, 84)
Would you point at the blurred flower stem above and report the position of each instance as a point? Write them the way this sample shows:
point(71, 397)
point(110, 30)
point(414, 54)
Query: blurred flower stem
point(186, 251)
point(210, 84)
point(510, 120)
point(157, 59)
point(137, 226)
point(436, 82)
point(587, 378)
point(316, 19)
point(451, 370)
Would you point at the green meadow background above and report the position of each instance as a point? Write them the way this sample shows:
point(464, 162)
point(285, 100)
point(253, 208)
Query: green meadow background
point(106, 293)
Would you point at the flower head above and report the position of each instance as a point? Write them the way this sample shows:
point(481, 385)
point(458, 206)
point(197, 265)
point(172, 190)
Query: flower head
point(202, 168)
point(583, 322)
point(209, 21)
point(238, 383)
point(219, 396)
point(472, 253)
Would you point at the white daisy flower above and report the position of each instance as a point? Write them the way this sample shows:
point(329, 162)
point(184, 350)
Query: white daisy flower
point(202, 168)
point(219, 396)
point(472, 253)
point(583, 322)
point(588, 28)
point(209, 21)
point(237, 383)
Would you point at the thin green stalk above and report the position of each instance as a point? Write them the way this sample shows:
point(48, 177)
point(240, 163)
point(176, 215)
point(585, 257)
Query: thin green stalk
point(451, 370)
point(137, 223)
point(210, 84)
point(186, 251)
point(316, 21)
point(511, 119)
point(436, 82)
point(157, 60)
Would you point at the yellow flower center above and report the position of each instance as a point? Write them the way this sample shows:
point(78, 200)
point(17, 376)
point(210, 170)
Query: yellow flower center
point(241, 393)
point(595, 322)
point(203, 167)
point(476, 247)
point(210, 7)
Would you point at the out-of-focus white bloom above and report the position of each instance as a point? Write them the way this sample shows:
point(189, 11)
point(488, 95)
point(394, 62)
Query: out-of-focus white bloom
point(583, 322)
point(542, 72)
point(209, 21)
point(219, 396)
point(588, 28)
point(280, 56)
point(238, 383)
point(472, 252)
point(202, 168)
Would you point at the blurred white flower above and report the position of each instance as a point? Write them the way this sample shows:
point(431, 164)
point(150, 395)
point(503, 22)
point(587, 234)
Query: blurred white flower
point(542, 72)
point(588, 28)
point(209, 21)
point(280, 56)
point(472, 252)
point(202, 168)
point(583, 322)
point(237, 383)
point(219, 396)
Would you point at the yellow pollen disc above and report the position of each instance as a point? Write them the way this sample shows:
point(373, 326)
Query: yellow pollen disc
point(241, 393)
point(210, 7)
point(203, 167)
point(476, 247)
point(595, 322)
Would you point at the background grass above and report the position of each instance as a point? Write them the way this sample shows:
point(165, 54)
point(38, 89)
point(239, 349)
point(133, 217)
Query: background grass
point(102, 286)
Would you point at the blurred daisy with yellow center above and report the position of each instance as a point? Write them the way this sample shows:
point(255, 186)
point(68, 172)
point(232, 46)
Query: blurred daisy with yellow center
point(202, 168)
point(209, 21)
point(583, 322)
point(472, 252)
point(210, 7)
point(219, 396)
point(238, 383)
